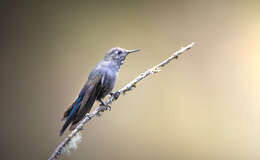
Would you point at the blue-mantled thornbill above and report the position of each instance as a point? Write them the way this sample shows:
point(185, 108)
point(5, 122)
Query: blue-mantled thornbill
point(100, 83)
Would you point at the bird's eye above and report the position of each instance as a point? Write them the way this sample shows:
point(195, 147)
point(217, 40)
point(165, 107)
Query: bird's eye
point(119, 52)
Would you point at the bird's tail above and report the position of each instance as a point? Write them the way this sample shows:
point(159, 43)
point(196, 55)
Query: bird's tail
point(64, 127)
point(71, 115)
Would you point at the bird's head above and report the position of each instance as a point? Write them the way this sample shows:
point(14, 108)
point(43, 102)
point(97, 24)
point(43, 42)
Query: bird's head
point(118, 55)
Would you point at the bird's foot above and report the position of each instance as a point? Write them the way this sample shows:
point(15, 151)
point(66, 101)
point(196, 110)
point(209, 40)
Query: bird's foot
point(107, 107)
point(115, 94)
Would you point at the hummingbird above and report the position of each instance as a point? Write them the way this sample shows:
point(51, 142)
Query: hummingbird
point(100, 83)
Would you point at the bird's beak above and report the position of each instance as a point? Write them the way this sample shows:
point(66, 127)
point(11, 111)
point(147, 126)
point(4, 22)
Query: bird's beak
point(135, 50)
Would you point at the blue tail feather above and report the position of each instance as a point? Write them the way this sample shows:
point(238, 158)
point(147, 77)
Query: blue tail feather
point(74, 109)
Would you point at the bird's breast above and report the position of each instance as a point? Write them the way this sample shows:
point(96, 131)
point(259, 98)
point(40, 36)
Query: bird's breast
point(108, 83)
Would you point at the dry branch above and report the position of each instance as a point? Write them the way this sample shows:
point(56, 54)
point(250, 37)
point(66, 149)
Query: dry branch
point(74, 136)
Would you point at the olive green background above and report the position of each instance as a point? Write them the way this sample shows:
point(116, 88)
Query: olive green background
point(204, 106)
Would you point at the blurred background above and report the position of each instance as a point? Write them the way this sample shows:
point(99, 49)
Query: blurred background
point(203, 106)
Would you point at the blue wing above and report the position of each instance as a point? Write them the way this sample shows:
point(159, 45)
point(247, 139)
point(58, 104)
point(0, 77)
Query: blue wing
point(71, 111)
point(83, 103)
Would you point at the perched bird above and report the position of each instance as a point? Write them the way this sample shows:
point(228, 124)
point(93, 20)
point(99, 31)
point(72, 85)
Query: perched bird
point(100, 83)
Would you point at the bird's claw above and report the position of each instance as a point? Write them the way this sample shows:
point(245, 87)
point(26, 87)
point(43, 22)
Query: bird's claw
point(115, 94)
point(108, 107)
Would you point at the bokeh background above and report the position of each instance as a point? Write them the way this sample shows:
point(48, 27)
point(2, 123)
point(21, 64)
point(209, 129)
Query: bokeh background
point(203, 106)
